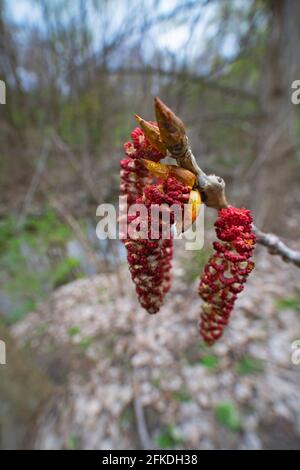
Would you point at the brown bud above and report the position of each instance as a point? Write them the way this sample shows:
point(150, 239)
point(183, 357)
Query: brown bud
point(171, 128)
point(152, 134)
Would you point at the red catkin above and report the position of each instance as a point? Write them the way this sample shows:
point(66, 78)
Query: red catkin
point(227, 270)
point(149, 257)
point(133, 175)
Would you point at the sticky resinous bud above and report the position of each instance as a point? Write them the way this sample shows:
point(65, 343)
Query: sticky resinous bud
point(152, 134)
point(172, 130)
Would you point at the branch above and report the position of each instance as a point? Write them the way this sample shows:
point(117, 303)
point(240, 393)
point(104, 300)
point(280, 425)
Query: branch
point(188, 77)
point(143, 432)
point(63, 147)
point(74, 225)
point(40, 167)
point(276, 246)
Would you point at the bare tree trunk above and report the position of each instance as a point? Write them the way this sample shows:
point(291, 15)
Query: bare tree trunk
point(273, 170)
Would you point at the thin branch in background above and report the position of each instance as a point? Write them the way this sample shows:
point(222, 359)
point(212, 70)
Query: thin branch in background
point(188, 77)
point(143, 432)
point(118, 270)
point(272, 140)
point(75, 226)
point(40, 167)
point(276, 246)
point(63, 147)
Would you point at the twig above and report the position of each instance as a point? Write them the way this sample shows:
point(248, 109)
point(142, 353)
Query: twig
point(276, 246)
point(141, 421)
point(188, 77)
point(63, 147)
point(75, 226)
point(40, 166)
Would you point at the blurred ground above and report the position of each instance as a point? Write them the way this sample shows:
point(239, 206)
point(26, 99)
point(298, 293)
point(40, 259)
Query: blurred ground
point(107, 357)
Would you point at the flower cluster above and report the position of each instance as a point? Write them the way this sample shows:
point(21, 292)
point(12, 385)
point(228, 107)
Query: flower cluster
point(133, 174)
point(149, 257)
point(226, 271)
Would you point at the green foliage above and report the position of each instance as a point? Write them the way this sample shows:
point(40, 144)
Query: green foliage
point(122, 129)
point(284, 303)
point(228, 416)
point(127, 416)
point(202, 347)
point(156, 382)
point(168, 438)
point(298, 127)
point(72, 443)
point(73, 331)
point(85, 343)
point(17, 313)
point(181, 395)
point(196, 264)
point(63, 271)
point(249, 365)
point(33, 260)
point(209, 361)
point(41, 329)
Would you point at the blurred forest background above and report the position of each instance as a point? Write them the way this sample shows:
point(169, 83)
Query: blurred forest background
point(76, 72)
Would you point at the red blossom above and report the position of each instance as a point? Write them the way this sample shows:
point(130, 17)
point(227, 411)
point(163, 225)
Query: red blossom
point(134, 176)
point(149, 258)
point(226, 271)
point(150, 255)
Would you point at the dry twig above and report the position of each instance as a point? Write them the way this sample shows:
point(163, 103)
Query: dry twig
point(143, 433)
point(40, 167)
point(277, 247)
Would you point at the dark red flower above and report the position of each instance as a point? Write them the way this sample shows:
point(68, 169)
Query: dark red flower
point(150, 256)
point(226, 271)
